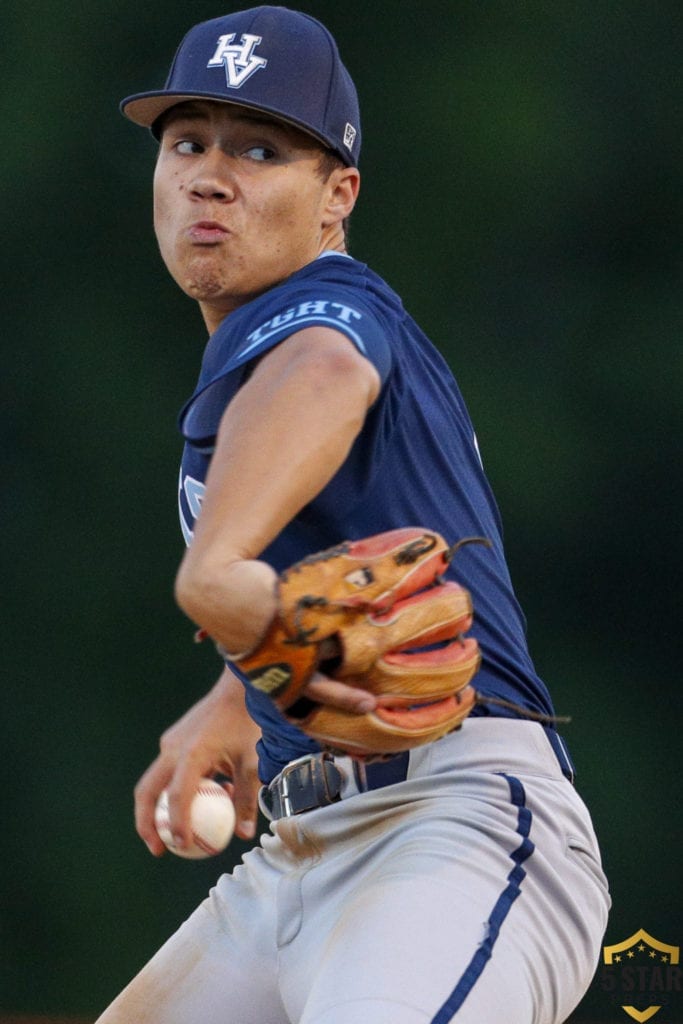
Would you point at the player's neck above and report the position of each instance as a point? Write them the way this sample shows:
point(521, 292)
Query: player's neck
point(214, 314)
point(333, 239)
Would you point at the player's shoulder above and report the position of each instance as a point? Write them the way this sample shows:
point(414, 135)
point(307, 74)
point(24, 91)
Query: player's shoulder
point(334, 290)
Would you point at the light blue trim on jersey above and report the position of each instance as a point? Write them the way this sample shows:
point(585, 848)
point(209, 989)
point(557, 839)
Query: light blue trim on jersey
point(334, 252)
point(474, 969)
point(289, 327)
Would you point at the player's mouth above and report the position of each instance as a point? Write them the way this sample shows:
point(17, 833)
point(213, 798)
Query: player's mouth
point(207, 232)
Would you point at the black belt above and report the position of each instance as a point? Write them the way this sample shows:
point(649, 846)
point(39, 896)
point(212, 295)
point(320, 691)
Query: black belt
point(316, 781)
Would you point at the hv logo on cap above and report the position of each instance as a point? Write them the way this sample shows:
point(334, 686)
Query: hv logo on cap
point(306, 84)
point(238, 59)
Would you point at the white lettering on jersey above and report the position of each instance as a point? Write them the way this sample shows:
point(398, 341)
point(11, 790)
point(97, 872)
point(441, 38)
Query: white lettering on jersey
point(345, 312)
point(238, 59)
point(320, 311)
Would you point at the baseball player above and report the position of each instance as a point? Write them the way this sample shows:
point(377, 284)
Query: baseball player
point(458, 879)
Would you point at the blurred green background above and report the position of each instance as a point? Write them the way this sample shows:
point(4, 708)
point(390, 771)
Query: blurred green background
point(522, 192)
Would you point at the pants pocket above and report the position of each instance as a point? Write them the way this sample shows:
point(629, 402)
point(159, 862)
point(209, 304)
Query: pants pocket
point(584, 854)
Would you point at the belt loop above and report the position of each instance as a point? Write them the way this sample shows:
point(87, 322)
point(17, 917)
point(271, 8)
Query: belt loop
point(562, 754)
point(360, 775)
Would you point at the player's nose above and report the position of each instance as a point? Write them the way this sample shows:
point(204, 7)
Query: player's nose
point(213, 178)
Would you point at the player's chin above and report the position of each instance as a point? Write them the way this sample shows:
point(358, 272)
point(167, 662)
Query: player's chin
point(201, 272)
point(204, 284)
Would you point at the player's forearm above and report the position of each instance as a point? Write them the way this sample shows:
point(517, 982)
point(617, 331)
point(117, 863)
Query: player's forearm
point(228, 694)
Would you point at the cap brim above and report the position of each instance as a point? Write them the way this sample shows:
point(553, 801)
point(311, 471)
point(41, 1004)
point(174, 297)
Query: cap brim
point(146, 107)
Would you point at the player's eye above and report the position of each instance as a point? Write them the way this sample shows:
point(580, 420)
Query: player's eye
point(260, 153)
point(186, 147)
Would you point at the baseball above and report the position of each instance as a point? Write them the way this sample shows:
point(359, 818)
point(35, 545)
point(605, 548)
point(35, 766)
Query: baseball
point(212, 817)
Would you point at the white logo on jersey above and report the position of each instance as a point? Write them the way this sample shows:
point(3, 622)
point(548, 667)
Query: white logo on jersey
point(239, 59)
point(194, 493)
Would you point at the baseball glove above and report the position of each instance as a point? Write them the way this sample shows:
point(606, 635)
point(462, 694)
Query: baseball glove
point(377, 614)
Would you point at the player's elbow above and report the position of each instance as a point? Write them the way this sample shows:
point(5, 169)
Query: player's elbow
point(233, 599)
point(201, 594)
point(194, 590)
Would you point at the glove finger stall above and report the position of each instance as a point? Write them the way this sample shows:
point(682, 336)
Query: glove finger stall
point(432, 616)
point(386, 730)
point(403, 678)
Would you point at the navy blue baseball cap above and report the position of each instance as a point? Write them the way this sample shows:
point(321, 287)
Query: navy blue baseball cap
point(267, 58)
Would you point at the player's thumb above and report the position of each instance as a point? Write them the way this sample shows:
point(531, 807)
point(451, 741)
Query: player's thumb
point(245, 788)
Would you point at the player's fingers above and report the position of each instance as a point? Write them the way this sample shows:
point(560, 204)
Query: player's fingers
point(324, 690)
point(146, 794)
point(244, 791)
point(181, 789)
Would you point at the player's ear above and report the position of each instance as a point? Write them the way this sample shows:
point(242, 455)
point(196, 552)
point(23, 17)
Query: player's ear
point(343, 185)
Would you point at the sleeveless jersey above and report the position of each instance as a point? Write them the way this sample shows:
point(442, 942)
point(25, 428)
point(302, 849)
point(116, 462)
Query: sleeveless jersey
point(415, 463)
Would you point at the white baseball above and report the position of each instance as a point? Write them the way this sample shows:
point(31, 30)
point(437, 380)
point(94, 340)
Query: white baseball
point(212, 818)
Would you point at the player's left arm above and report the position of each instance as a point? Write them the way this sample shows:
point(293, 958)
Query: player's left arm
point(281, 439)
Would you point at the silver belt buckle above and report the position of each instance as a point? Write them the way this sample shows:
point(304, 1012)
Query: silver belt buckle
point(316, 785)
point(279, 786)
point(281, 782)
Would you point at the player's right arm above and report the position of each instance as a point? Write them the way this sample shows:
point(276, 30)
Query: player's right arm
point(217, 735)
point(281, 439)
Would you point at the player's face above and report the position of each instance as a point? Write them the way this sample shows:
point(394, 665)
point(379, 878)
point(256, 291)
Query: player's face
point(239, 203)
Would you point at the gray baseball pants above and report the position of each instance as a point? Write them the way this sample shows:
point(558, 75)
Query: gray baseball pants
point(471, 892)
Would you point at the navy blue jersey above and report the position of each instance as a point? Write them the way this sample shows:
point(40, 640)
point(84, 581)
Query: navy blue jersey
point(415, 463)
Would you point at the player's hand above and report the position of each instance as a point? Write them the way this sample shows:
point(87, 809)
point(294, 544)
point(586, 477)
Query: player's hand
point(217, 735)
point(324, 690)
